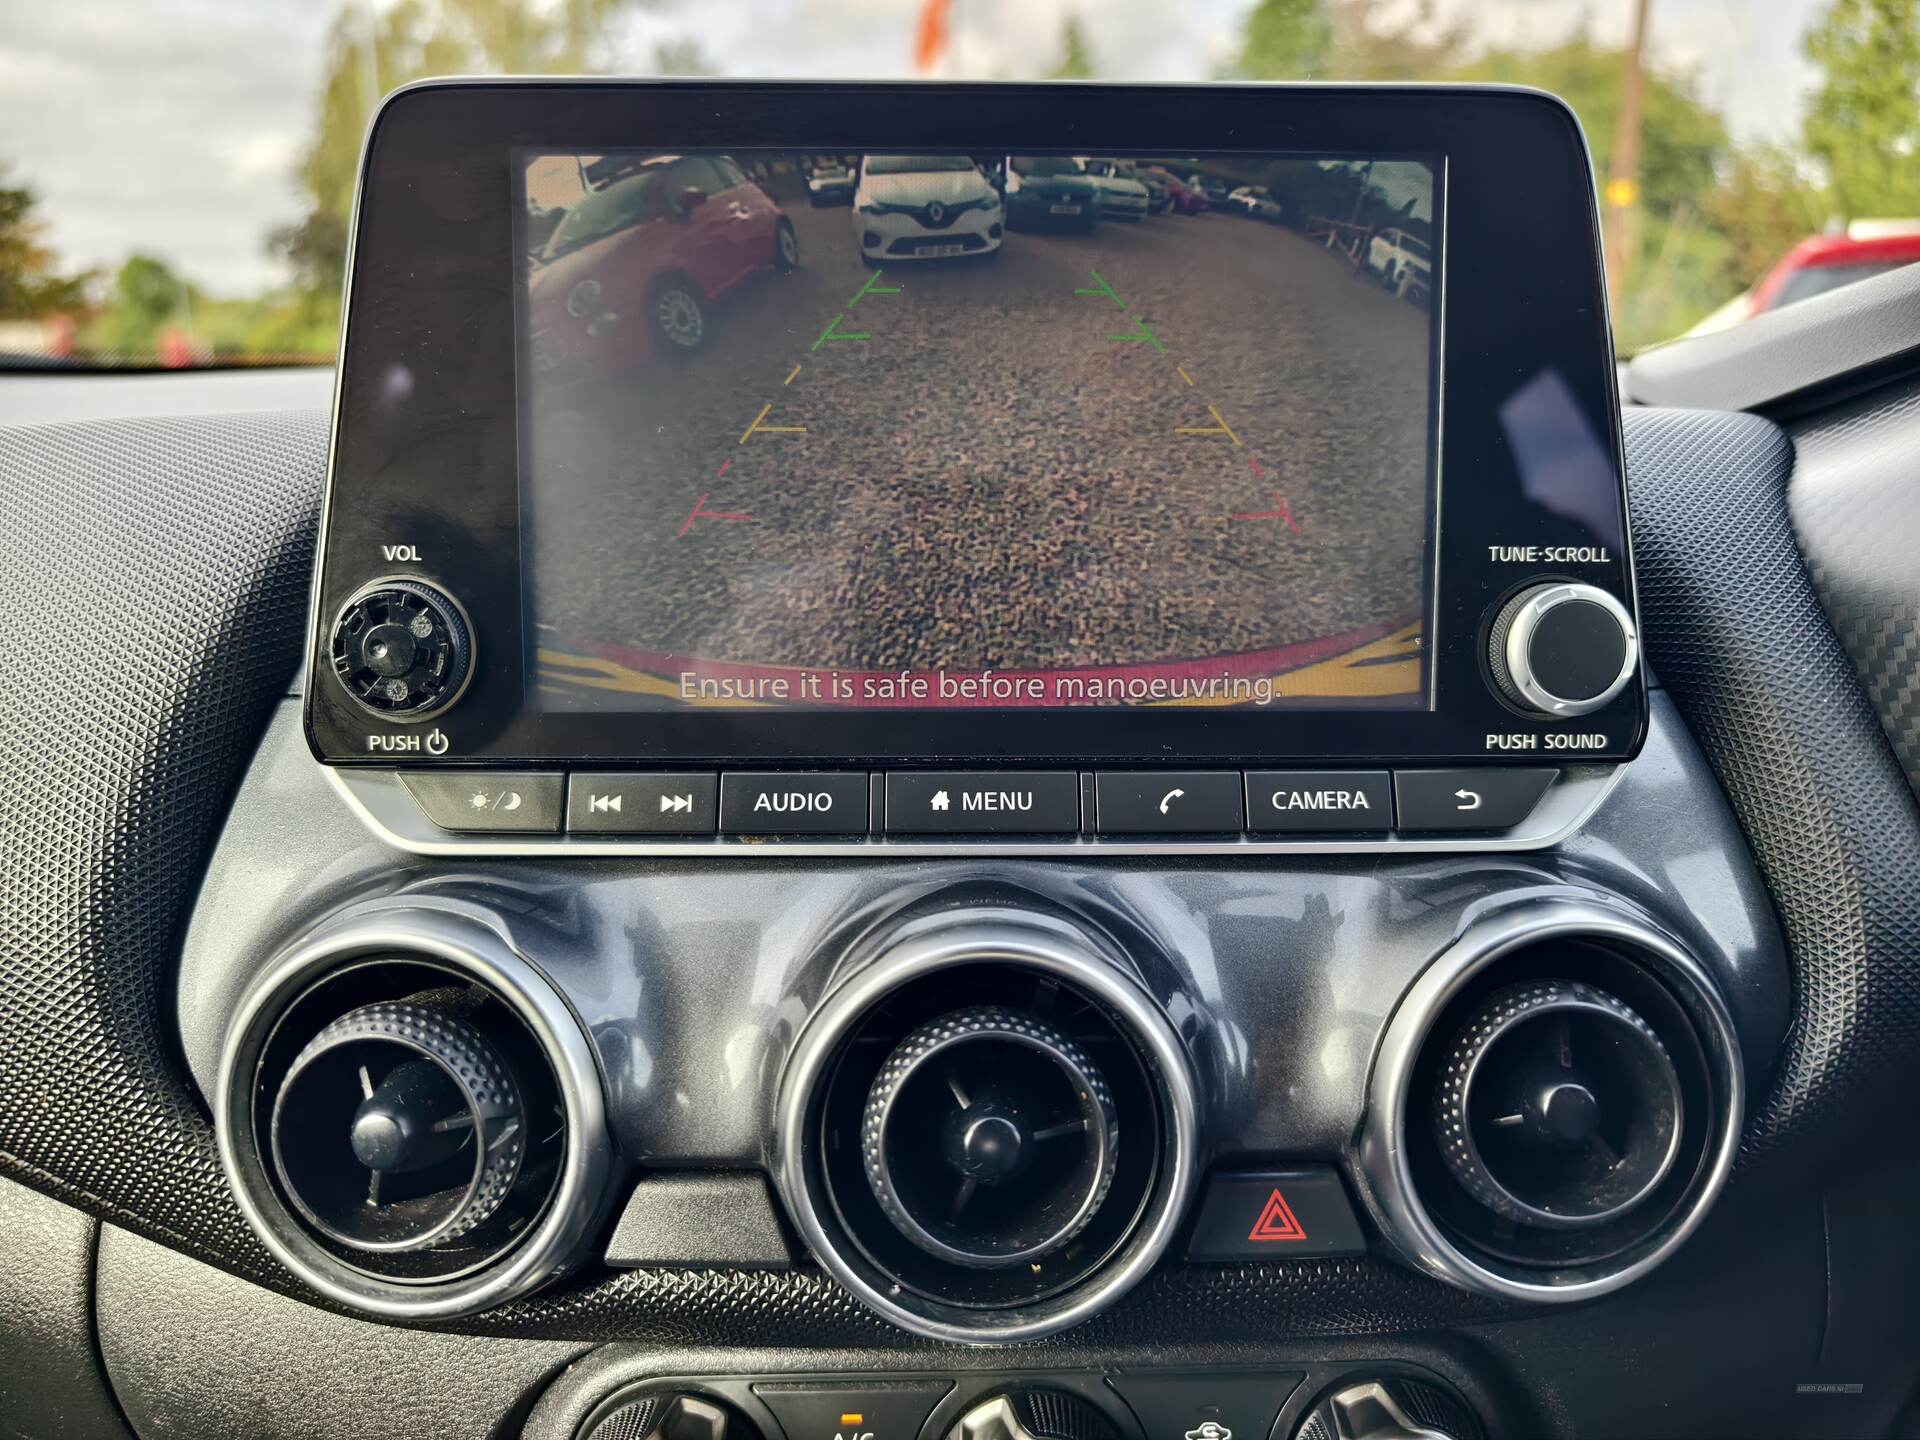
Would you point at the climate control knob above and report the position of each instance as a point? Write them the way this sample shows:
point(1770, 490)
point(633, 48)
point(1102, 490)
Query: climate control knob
point(1562, 649)
point(402, 649)
point(1396, 1408)
point(1033, 1414)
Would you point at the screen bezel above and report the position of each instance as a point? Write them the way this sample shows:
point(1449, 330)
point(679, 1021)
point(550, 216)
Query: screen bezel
point(426, 446)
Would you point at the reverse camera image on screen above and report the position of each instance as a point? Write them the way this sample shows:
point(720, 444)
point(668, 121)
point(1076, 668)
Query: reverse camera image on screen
point(879, 430)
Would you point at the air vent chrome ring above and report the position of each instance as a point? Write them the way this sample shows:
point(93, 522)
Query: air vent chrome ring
point(1053, 951)
point(1401, 1113)
point(469, 946)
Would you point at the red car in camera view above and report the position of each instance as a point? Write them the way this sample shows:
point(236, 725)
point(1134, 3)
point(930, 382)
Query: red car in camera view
point(1185, 199)
point(635, 266)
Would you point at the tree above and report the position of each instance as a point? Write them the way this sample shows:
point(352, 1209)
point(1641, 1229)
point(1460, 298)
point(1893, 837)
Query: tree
point(147, 298)
point(1863, 123)
point(1762, 206)
point(1402, 45)
point(1076, 59)
point(1683, 143)
point(682, 57)
point(370, 53)
point(30, 286)
point(1283, 40)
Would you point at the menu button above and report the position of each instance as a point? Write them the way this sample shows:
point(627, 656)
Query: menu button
point(962, 802)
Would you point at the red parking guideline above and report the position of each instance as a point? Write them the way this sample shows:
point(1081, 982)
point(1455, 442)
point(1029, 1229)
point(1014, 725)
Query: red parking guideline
point(700, 512)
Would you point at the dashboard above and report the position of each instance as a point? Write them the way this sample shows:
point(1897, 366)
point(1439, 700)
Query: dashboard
point(867, 784)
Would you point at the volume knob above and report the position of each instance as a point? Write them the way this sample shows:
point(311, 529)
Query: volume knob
point(1562, 649)
point(402, 649)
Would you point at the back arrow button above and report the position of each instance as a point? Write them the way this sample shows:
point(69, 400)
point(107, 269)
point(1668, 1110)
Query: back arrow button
point(1484, 799)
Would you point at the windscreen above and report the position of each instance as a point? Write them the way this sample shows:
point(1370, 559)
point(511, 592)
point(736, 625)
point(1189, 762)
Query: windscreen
point(944, 430)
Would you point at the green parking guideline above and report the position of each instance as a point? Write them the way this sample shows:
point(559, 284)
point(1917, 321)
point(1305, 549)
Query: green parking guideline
point(1141, 332)
point(873, 287)
point(834, 332)
point(1100, 287)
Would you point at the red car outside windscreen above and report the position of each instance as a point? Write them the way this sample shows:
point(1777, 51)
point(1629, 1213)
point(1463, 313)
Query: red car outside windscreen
point(1827, 262)
point(635, 266)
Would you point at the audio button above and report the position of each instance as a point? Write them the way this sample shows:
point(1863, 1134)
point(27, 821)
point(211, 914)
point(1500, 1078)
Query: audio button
point(794, 802)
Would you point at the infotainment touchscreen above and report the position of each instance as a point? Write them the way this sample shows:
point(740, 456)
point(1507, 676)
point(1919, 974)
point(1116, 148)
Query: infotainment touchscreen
point(811, 430)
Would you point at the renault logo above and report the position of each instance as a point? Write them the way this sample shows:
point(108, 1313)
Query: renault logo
point(936, 212)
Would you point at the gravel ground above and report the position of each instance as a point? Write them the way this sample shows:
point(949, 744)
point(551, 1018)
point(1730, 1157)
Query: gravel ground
point(991, 481)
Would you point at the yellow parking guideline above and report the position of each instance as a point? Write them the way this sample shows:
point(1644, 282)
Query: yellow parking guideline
point(1183, 374)
point(756, 428)
point(790, 374)
point(1221, 428)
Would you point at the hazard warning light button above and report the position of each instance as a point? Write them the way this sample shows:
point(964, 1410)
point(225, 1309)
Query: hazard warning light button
point(1272, 1214)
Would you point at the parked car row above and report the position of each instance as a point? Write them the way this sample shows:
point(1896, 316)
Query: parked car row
point(634, 266)
point(931, 207)
point(1403, 263)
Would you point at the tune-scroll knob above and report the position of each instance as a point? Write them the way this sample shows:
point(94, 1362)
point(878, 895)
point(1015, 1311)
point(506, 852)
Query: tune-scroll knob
point(1562, 649)
point(402, 649)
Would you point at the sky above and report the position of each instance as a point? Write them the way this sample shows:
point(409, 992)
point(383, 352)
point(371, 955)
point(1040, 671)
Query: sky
point(173, 127)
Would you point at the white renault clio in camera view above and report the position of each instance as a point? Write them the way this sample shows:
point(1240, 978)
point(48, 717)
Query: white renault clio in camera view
point(924, 207)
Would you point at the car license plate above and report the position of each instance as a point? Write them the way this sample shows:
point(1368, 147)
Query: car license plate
point(940, 250)
point(1065, 209)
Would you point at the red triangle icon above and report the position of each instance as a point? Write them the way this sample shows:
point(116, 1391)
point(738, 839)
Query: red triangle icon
point(1277, 1221)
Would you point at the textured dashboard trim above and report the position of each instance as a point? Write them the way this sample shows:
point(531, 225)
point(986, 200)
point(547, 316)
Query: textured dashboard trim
point(1733, 626)
point(152, 604)
point(1856, 511)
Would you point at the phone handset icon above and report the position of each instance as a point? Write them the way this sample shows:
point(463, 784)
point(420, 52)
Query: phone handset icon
point(1168, 798)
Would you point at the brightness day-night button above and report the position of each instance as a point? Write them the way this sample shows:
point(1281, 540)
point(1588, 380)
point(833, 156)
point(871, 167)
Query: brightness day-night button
point(495, 802)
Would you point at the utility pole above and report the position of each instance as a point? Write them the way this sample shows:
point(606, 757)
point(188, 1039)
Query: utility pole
point(1623, 176)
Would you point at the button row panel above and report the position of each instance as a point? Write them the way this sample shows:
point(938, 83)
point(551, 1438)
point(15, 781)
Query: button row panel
point(1176, 803)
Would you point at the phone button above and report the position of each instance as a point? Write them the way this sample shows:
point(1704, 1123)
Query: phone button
point(1167, 802)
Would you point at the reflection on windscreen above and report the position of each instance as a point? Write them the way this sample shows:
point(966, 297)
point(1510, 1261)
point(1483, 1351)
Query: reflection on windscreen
point(1819, 279)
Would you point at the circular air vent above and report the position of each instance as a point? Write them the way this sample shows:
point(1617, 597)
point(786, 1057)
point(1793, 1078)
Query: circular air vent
point(1557, 1102)
point(988, 1131)
point(411, 1118)
point(989, 1137)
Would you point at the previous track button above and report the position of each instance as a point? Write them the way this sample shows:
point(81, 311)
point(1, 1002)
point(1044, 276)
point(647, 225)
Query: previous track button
point(633, 803)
